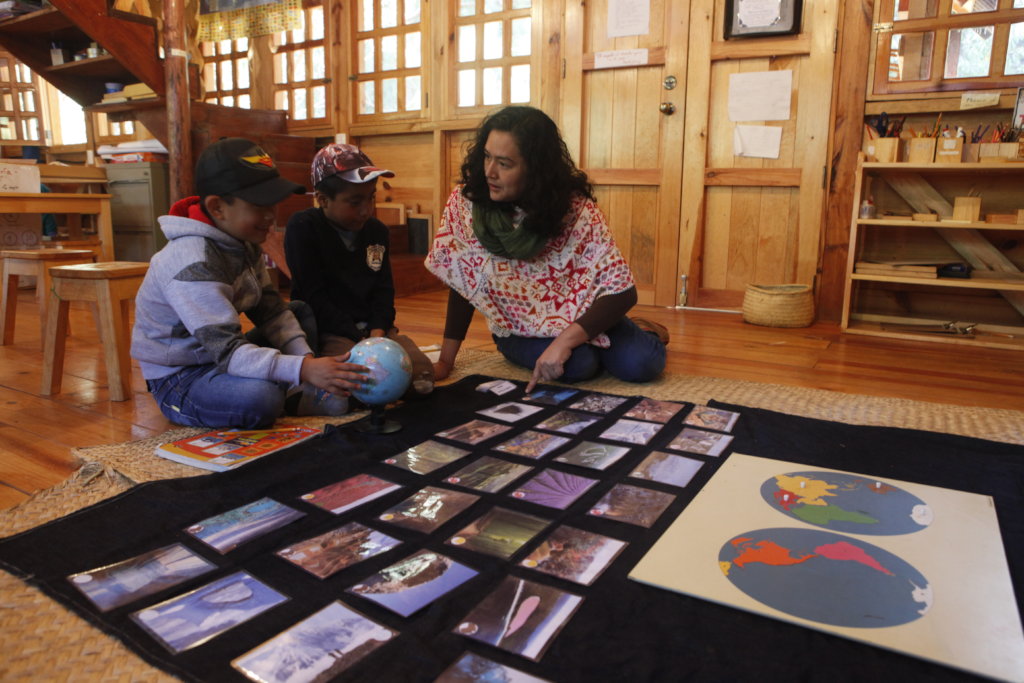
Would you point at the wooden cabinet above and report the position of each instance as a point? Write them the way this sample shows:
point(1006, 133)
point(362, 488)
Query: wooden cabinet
point(986, 308)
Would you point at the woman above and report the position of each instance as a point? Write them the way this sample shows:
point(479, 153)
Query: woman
point(522, 241)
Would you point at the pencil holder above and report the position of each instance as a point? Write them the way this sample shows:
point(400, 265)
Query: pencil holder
point(967, 209)
point(972, 153)
point(884, 150)
point(921, 150)
point(989, 151)
point(949, 150)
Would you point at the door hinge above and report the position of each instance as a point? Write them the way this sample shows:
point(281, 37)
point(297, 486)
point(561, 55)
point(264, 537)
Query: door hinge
point(882, 28)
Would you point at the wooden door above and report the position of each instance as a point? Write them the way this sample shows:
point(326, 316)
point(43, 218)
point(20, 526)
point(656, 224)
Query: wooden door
point(613, 123)
point(754, 220)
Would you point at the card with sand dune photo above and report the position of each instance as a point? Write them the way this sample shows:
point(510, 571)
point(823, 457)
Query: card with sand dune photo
point(550, 397)
point(192, 619)
point(632, 505)
point(666, 468)
point(568, 422)
point(711, 418)
point(428, 508)
point(574, 555)
point(532, 444)
point(228, 530)
point(654, 411)
point(598, 403)
point(499, 532)
point(520, 616)
point(318, 648)
point(426, 457)
point(411, 584)
point(631, 431)
point(473, 432)
point(700, 442)
point(126, 581)
point(510, 412)
point(472, 668)
point(488, 474)
point(597, 456)
point(346, 494)
point(553, 488)
point(329, 553)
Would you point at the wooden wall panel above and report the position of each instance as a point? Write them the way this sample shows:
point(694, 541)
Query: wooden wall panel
point(411, 157)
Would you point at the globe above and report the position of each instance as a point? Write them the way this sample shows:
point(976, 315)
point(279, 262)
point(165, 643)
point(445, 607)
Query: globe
point(390, 370)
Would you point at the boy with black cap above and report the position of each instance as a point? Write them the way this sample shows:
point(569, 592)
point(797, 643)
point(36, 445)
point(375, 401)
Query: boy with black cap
point(338, 256)
point(188, 334)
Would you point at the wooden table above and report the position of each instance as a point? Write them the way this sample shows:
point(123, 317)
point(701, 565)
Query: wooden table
point(71, 203)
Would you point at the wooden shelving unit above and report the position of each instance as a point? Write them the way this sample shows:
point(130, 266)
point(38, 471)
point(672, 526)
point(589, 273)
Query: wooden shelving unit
point(990, 303)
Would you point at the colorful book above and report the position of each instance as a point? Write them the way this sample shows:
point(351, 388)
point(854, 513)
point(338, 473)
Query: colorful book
point(228, 449)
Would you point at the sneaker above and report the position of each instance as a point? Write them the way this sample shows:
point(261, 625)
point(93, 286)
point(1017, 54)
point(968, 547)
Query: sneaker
point(423, 384)
point(314, 401)
point(657, 329)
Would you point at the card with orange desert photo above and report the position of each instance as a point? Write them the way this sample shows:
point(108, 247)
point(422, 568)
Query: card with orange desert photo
point(350, 493)
point(532, 444)
point(335, 550)
point(711, 418)
point(574, 555)
point(473, 432)
point(654, 411)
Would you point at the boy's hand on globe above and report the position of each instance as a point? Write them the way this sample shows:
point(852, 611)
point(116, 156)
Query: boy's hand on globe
point(333, 374)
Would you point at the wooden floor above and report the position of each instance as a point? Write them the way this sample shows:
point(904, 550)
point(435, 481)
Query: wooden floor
point(37, 432)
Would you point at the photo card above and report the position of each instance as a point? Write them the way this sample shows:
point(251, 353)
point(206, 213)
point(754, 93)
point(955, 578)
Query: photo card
point(510, 412)
point(346, 494)
point(574, 555)
point(411, 584)
point(550, 397)
point(191, 619)
point(553, 488)
point(488, 474)
point(426, 457)
point(594, 455)
point(632, 505)
point(568, 422)
point(676, 470)
point(701, 442)
point(631, 431)
point(318, 648)
point(472, 668)
point(654, 411)
point(228, 530)
point(532, 444)
point(499, 532)
point(129, 580)
point(520, 616)
point(328, 553)
point(598, 403)
point(428, 508)
point(711, 418)
point(473, 432)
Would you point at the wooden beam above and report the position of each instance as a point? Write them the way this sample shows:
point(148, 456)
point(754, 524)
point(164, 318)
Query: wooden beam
point(179, 116)
point(753, 177)
point(624, 176)
point(774, 47)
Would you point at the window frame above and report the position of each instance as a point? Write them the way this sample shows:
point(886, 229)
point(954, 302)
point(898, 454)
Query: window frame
point(276, 49)
point(217, 94)
point(18, 88)
point(378, 75)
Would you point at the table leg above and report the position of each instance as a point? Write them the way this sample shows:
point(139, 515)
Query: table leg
point(9, 308)
point(54, 340)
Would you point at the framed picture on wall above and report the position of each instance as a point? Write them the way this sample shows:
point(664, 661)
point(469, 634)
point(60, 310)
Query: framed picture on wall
point(1018, 110)
point(759, 18)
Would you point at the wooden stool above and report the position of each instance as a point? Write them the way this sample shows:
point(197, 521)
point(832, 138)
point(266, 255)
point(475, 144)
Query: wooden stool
point(112, 285)
point(36, 262)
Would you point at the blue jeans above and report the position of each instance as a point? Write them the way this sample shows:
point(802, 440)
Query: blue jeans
point(634, 356)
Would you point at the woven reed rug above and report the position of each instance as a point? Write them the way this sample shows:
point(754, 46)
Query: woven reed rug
point(43, 641)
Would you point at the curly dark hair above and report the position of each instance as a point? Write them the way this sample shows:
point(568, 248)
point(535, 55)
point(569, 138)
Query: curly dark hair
point(551, 176)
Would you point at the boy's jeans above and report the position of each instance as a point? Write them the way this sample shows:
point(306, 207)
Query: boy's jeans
point(634, 356)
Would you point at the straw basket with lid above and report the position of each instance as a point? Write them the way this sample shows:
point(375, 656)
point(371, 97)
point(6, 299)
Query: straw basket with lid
point(778, 305)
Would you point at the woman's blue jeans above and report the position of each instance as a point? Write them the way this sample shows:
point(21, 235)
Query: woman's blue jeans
point(634, 355)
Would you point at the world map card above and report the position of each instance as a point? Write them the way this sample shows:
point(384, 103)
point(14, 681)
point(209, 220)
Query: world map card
point(912, 568)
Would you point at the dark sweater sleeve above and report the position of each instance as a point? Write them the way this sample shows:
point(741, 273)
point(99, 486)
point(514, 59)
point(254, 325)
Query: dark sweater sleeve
point(458, 316)
point(605, 311)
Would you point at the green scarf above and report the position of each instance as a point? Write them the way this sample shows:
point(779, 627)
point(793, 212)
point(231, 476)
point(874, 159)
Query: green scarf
point(495, 230)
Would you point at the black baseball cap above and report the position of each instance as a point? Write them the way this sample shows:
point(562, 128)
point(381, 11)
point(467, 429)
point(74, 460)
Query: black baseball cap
point(240, 168)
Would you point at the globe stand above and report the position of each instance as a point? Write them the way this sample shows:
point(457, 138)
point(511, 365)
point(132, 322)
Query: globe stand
point(378, 423)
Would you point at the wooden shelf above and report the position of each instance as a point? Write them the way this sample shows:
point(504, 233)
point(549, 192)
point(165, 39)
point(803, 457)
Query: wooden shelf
point(909, 223)
point(964, 283)
point(988, 340)
point(988, 166)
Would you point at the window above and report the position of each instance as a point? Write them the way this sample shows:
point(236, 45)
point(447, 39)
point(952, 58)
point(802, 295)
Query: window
point(388, 56)
point(493, 41)
point(20, 116)
point(300, 71)
point(941, 45)
point(226, 72)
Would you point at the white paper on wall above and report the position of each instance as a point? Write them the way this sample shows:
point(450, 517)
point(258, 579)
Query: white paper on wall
point(760, 95)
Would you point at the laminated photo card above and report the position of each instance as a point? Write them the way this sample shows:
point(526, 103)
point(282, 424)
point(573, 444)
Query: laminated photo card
point(411, 584)
point(488, 474)
point(701, 442)
point(532, 444)
point(510, 412)
point(574, 555)
point(553, 488)
point(344, 495)
point(499, 532)
point(631, 431)
point(473, 432)
point(426, 457)
point(654, 411)
point(632, 505)
point(550, 397)
point(428, 508)
point(568, 422)
point(666, 468)
point(329, 553)
point(594, 455)
point(471, 668)
point(711, 418)
point(228, 530)
point(598, 403)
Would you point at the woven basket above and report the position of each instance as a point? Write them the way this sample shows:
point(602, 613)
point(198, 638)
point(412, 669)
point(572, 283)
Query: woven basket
point(778, 305)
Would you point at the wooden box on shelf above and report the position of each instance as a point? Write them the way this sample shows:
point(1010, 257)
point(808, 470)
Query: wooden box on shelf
point(920, 150)
point(883, 150)
point(949, 151)
point(967, 209)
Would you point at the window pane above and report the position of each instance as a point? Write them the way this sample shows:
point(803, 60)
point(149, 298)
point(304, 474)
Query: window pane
point(389, 95)
point(492, 85)
point(492, 40)
point(299, 110)
point(226, 78)
point(413, 59)
point(27, 100)
point(467, 8)
point(228, 101)
point(223, 47)
point(519, 83)
point(388, 13)
point(366, 56)
point(207, 48)
point(413, 95)
point(367, 97)
point(281, 100)
point(6, 128)
point(467, 43)
point(281, 67)
point(389, 53)
point(32, 129)
point(1015, 51)
point(129, 127)
point(317, 66)
point(1018, 4)
point(319, 104)
point(299, 65)
point(914, 9)
point(298, 35)
point(467, 88)
point(910, 56)
point(366, 15)
point(242, 45)
point(972, 6)
point(244, 102)
point(242, 73)
point(23, 73)
point(316, 23)
point(969, 52)
point(412, 12)
point(520, 37)
point(492, 6)
point(210, 76)
point(520, 4)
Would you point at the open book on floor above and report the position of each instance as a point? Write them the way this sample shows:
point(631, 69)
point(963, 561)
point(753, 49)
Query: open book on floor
point(228, 449)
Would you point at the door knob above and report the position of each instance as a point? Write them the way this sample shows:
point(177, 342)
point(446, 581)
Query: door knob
point(667, 108)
